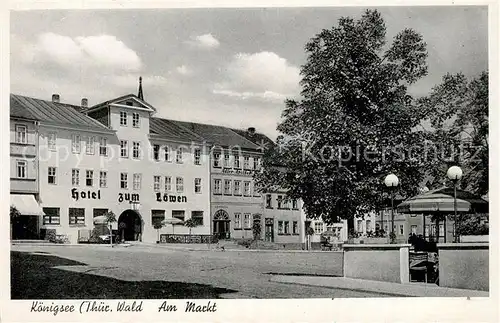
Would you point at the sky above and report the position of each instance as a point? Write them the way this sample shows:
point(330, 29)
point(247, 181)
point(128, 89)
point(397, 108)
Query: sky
point(231, 67)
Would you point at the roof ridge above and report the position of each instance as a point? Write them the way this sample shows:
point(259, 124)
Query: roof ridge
point(184, 128)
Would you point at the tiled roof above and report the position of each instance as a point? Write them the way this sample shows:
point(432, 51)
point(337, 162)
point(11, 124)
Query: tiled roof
point(218, 135)
point(18, 110)
point(170, 130)
point(257, 138)
point(52, 112)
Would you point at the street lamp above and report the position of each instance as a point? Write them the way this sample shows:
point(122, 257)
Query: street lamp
point(455, 174)
point(392, 181)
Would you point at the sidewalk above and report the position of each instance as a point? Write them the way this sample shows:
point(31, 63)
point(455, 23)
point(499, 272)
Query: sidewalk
point(392, 289)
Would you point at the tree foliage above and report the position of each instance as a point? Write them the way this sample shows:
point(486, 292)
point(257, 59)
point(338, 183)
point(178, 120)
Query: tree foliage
point(457, 114)
point(353, 121)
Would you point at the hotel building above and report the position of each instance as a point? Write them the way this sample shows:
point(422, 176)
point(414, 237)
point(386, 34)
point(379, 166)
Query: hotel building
point(115, 156)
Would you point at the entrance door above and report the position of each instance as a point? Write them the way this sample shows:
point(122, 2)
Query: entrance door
point(130, 226)
point(222, 229)
point(270, 230)
point(25, 227)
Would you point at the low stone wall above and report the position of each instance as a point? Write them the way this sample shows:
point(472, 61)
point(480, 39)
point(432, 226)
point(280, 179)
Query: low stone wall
point(382, 262)
point(464, 265)
point(484, 238)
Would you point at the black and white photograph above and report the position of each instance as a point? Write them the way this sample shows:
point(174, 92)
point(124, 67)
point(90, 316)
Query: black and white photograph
point(191, 155)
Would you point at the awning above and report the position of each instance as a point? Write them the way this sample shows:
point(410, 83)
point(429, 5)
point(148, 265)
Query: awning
point(26, 204)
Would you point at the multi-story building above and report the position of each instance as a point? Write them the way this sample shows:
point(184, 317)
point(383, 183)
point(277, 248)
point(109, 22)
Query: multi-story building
point(24, 183)
point(114, 156)
point(236, 205)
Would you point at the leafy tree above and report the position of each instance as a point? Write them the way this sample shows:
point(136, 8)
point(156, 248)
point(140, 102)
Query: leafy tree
point(157, 225)
point(256, 229)
point(353, 121)
point(190, 223)
point(110, 219)
point(14, 212)
point(457, 131)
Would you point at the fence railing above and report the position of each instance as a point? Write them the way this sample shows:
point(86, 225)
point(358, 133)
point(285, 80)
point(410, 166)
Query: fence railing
point(186, 238)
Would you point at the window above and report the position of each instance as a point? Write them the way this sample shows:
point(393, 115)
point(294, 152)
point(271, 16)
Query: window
point(123, 118)
point(197, 217)
point(280, 227)
point(237, 220)
point(51, 215)
point(227, 187)
point(237, 187)
point(401, 229)
point(21, 137)
point(124, 148)
point(156, 152)
point(360, 226)
point(256, 163)
point(226, 161)
point(217, 186)
point(124, 180)
point(51, 178)
point(136, 181)
point(197, 185)
point(76, 216)
point(178, 214)
point(168, 155)
point(21, 167)
point(414, 229)
point(168, 183)
point(103, 179)
point(51, 141)
point(246, 220)
point(178, 156)
point(236, 161)
point(89, 178)
point(295, 227)
point(156, 183)
point(99, 212)
point(368, 225)
point(286, 203)
point(287, 227)
point(280, 201)
point(216, 159)
point(157, 216)
point(75, 177)
point(318, 227)
point(129, 103)
point(269, 201)
point(136, 148)
point(197, 156)
point(135, 120)
point(246, 162)
point(75, 143)
point(103, 146)
point(441, 230)
point(295, 204)
point(246, 188)
point(179, 184)
point(89, 145)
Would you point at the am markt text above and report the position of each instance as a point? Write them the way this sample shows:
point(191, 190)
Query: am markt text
point(190, 307)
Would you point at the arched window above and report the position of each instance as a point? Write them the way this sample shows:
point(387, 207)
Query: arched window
point(221, 215)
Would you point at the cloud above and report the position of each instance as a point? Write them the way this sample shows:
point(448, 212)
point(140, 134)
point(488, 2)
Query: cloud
point(100, 52)
point(263, 75)
point(184, 70)
point(206, 41)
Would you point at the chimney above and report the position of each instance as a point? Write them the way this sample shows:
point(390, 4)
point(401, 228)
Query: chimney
point(85, 103)
point(55, 98)
point(251, 130)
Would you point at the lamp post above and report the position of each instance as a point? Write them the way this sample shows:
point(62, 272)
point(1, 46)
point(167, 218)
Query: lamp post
point(455, 174)
point(392, 181)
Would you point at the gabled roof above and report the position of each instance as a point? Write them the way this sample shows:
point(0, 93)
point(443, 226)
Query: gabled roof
point(122, 98)
point(168, 129)
point(52, 112)
point(18, 110)
point(218, 135)
point(257, 138)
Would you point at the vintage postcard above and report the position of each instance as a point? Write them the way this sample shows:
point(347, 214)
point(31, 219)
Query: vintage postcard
point(314, 162)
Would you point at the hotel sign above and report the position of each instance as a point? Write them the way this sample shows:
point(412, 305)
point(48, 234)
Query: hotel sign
point(75, 194)
point(170, 198)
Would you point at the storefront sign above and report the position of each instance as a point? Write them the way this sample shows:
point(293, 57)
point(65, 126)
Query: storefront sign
point(237, 171)
point(128, 197)
point(170, 198)
point(75, 194)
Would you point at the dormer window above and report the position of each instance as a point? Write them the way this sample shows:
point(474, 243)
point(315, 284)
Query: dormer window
point(123, 118)
point(135, 120)
point(129, 103)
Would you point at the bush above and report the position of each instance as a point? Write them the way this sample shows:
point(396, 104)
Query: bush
point(472, 226)
point(51, 235)
point(244, 242)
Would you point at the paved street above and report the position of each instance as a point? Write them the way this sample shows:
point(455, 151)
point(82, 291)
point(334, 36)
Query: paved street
point(246, 273)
